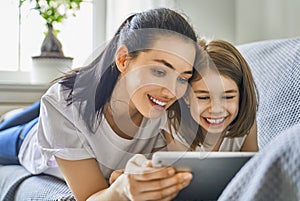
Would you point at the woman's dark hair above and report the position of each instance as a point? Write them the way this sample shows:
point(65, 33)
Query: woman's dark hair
point(91, 87)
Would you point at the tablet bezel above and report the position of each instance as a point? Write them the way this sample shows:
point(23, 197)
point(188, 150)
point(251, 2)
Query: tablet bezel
point(212, 171)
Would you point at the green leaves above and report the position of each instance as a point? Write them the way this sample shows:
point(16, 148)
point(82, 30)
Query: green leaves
point(55, 11)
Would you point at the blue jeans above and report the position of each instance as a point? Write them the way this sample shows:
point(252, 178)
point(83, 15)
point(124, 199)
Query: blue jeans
point(11, 140)
point(14, 130)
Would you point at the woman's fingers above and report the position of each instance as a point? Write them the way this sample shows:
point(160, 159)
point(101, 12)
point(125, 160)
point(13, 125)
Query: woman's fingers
point(179, 179)
point(142, 169)
point(148, 174)
point(114, 175)
point(143, 182)
point(159, 189)
point(137, 164)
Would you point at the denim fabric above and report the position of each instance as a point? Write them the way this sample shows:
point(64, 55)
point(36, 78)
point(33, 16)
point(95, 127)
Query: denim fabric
point(23, 117)
point(11, 140)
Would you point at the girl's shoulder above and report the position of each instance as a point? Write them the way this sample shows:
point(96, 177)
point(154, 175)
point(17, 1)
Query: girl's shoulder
point(232, 144)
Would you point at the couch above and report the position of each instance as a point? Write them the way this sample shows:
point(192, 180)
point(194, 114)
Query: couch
point(275, 65)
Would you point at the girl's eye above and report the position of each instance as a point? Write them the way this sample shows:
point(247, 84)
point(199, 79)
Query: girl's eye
point(158, 72)
point(228, 97)
point(203, 97)
point(182, 80)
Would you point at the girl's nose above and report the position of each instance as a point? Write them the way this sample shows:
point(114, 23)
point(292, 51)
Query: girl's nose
point(217, 107)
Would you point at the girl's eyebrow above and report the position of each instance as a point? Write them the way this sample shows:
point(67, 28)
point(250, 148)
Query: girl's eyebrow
point(201, 91)
point(231, 91)
point(164, 62)
point(227, 91)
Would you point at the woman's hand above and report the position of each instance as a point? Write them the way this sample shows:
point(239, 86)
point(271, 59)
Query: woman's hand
point(114, 175)
point(141, 181)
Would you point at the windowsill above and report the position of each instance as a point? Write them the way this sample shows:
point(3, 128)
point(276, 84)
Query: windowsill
point(15, 77)
point(17, 95)
point(22, 87)
point(21, 93)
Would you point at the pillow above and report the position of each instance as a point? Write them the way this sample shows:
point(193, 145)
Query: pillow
point(275, 65)
point(272, 174)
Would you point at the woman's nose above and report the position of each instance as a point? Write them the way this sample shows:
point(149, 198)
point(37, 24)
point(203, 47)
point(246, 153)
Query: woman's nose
point(167, 92)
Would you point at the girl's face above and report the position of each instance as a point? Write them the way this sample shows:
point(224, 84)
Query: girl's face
point(156, 78)
point(214, 101)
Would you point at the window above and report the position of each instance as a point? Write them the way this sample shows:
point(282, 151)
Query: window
point(20, 40)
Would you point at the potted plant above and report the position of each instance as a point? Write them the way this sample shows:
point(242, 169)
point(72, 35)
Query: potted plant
point(52, 61)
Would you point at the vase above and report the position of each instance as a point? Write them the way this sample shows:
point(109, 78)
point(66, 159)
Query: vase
point(52, 63)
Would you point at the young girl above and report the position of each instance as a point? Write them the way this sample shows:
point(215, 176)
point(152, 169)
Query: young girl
point(97, 118)
point(219, 110)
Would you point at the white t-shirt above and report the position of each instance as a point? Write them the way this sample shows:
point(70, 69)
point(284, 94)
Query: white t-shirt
point(66, 136)
point(228, 144)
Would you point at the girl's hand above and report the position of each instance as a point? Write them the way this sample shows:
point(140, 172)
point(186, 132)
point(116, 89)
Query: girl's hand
point(143, 182)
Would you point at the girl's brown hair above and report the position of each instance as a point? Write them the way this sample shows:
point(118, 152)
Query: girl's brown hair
point(228, 61)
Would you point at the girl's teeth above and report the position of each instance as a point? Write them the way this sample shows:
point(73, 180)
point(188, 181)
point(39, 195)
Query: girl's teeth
point(215, 121)
point(160, 103)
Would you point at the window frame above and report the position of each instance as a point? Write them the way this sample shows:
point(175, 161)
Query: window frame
point(98, 32)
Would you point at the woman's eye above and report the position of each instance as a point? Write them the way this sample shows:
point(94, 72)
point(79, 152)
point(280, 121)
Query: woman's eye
point(158, 73)
point(182, 80)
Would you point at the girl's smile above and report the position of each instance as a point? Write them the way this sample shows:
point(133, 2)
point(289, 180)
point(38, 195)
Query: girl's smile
point(214, 101)
point(214, 121)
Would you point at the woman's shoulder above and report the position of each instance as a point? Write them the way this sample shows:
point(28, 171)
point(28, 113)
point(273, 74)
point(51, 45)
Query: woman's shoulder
point(56, 98)
point(56, 94)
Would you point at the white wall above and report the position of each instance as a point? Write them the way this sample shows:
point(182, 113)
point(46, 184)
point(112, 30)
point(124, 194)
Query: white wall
point(242, 21)
point(118, 10)
point(238, 21)
point(266, 19)
point(211, 18)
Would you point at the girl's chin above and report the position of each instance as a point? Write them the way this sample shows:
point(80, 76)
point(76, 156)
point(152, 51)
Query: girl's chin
point(213, 129)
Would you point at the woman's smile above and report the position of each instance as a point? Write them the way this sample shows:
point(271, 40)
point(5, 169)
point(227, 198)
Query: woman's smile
point(158, 103)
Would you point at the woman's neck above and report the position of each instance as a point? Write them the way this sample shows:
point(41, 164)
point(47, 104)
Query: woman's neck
point(121, 115)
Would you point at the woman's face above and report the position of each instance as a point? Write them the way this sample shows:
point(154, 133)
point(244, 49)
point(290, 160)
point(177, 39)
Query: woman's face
point(156, 78)
point(214, 101)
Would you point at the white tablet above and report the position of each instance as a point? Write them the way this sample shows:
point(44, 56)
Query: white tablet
point(212, 171)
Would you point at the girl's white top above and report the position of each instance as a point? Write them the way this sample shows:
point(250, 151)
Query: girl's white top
point(228, 144)
point(61, 132)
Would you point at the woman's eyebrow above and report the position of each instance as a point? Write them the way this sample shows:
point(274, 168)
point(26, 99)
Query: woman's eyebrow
point(164, 62)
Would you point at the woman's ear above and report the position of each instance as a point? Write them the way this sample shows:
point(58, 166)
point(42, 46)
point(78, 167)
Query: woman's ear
point(121, 58)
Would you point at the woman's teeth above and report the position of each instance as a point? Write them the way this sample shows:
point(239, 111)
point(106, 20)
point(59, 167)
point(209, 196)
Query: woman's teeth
point(160, 103)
